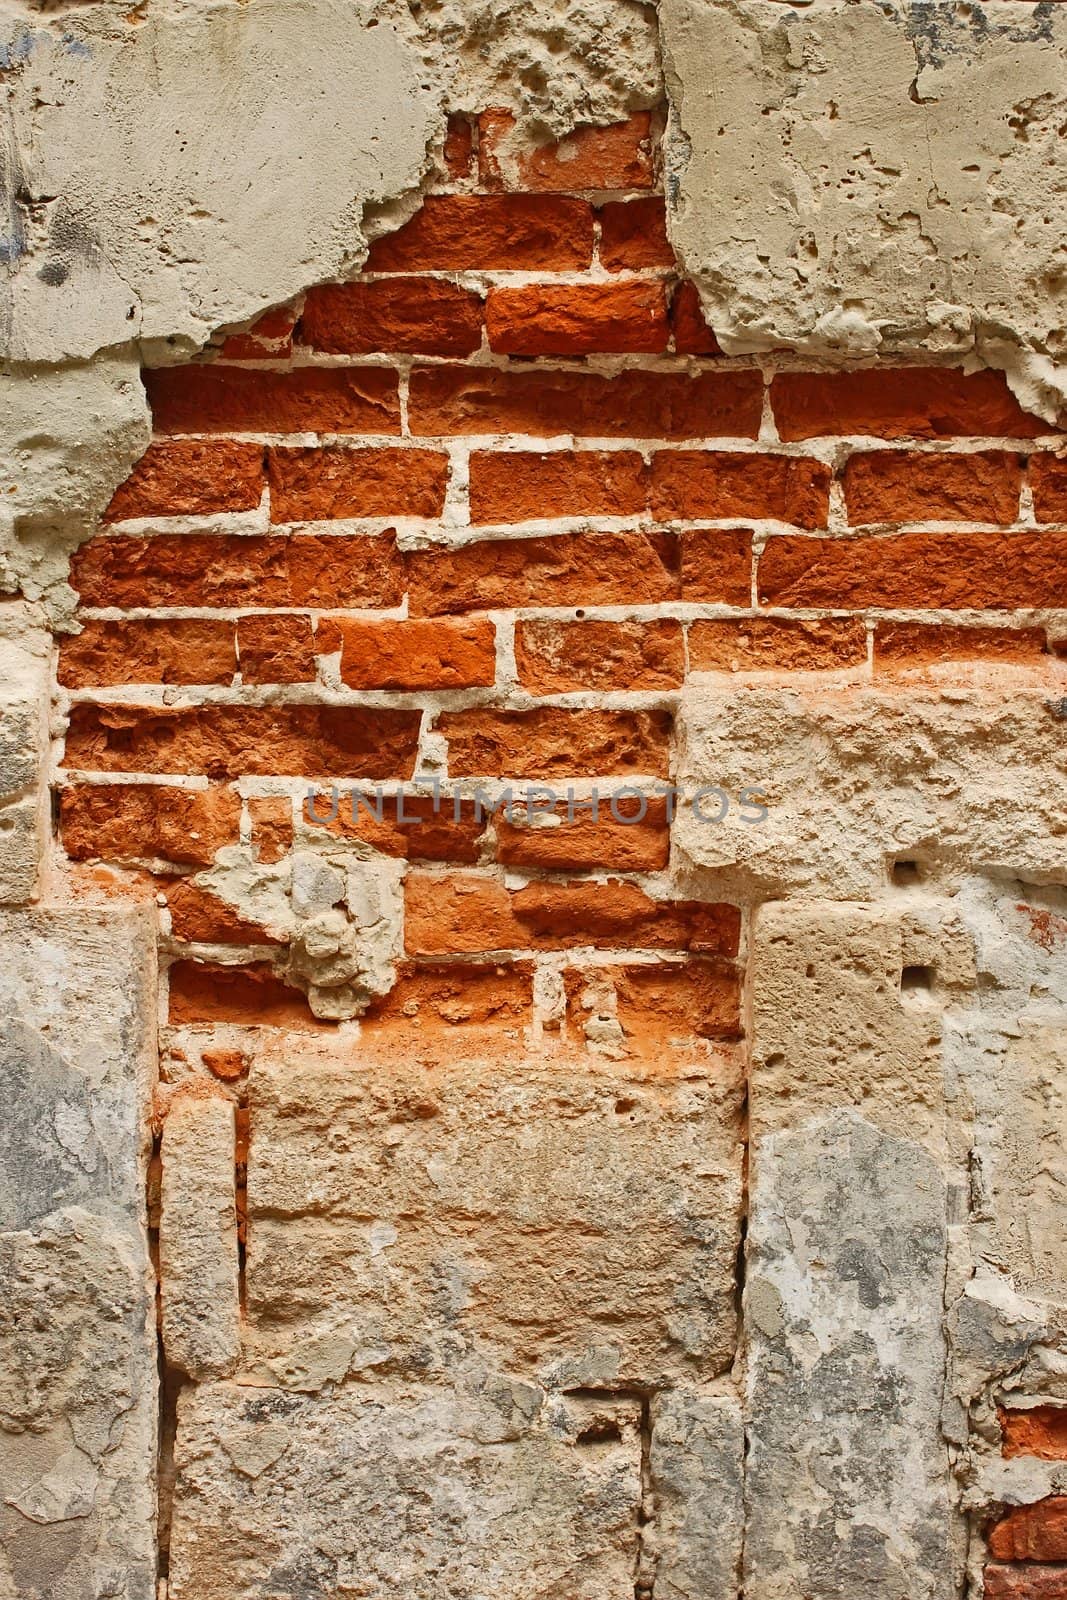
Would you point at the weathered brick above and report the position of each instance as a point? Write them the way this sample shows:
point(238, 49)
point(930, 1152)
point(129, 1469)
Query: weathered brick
point(459, 147)
point(409, 826)
point(629, 405)
point(452, 232)
point(716, 566)
point(692, 336)
point(633, 235)
point(231, 741)
point(985, 570)
point(766, 644)
point(269, 337)
point(1037, 1431)
point(1036, 1532)
point(556, 570)
point(1024, 1583)
point(664, 1000)
point(916, 644)
point(190, 477)
point(718, 483)
point(147, 821)
point(455, 996)
point(178, 650)
point(520, 485)
point(899, 403)
point(618, 156)
point(1048, 482)
point(637, 839)
point(271, 817)
point(554, 657)
point(313, 485)
point(415, 316)
point(578, 319)
point(254, 570)
point(212, 398)
point(200, 917)
point(252, 995)
point(905, 486)
point(278, 649)
point(550, 742)
point(413, 654)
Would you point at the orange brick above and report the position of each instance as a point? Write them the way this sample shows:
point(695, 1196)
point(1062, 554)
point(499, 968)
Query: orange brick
point(251, 570)
point(314, 485)
point(454, 232)
point(433, 996)
point(212, 398)
point(692, 336)
point(520, 485)
point(556, 570)
point(665, 1000)
point(993, 571)
point(409, 826)
point(1036, 1532)
point(179, 650)
point(633, 235)
point(459, 147)
point(269, 337)
point(417, 316)
point(554, 657)
point(227, 741)
point(1024, 1583)
point(227, 1065)
point(636, 840)
point(201, 917)
point(900, 645)
point(252, 995)
point(899, 403)
point(551, 742)
point(143, 821)
point(615, 157)
point(277, 649)
point(1038, 1431)
point(1048, 481)
point(903, 486)
point(578, 319)
point(716, 483)
point(272, 827)
point(716, 566)
point(629, 405)
point(414, 654)
point(765, 644)
point(189, 477)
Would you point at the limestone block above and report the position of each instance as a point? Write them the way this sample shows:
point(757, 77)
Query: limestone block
point(78, 1398)
point(853, 178)
point(414, 1491)
point(848, 1483)
point(577, 1223)
point(198, 1236)
point(696, 1463)
point(24, 659)
point(958, 775)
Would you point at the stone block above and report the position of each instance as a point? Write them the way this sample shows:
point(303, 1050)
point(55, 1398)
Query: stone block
point(696, 1463)
point(198, 1236)
point(24, 658)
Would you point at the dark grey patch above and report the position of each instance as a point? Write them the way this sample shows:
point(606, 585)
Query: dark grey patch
point(54, 273)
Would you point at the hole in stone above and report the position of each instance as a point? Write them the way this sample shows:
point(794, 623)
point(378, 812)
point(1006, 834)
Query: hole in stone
point(604, 1431)
point(916, 978)
point(906, 872)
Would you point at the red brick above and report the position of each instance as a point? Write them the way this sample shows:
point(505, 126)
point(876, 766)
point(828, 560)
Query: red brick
point(551, 742)
point(416, 316)
point(253, 995)
point(524, 232)
point(554, 657)
point(1035, 1532)
point(269, 337)
point(459, 147)
point(716, 566)
point(615, 157)
point(578, 319)
point(315, 485)
point(902, 645)
point(1048, 481)
point(640, 842)
point(899, 403)
point(218, 399)
point(717, 483)
point(147, 821)
point(234, 570)
point(277, 649)
point(1037, 1431)
point(469, 914)
point(633, 235)
point(629, 405)
point(904, 486)
point(665, 1000)
point(179, 650)
point(692, 336)
point(765, 644)
point(190, 477)
point(521, 485)
point(994, 571)
point(433, 996)
point(271, 817)
point(414, 654)
point(409, 826)
point(201, 917)
point(556, 570)
point(228, 741)
point(1025, 1583)
point(227, 1065)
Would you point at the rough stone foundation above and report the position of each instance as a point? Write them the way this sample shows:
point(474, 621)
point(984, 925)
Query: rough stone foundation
point(534, 1025)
